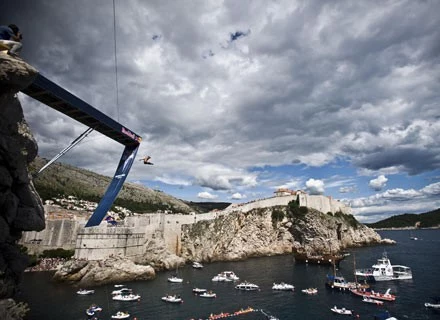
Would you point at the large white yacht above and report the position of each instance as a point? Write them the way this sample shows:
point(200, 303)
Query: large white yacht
point(384, 271)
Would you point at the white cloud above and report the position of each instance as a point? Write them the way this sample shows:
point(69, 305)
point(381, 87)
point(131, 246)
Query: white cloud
point(378, 183)
point(315, 186)
point(238, 196)
point(172, 180)
point(347, 189)
point(206, 195)
point(432, 189)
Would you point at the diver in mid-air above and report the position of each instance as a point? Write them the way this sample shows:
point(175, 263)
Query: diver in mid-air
point(146, 160)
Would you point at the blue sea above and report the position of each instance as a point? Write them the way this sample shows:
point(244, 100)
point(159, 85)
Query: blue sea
point(51, 300)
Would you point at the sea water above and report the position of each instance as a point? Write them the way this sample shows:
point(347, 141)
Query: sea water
point(51, 300)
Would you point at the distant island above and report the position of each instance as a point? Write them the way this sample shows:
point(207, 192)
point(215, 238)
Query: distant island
point(429, 219)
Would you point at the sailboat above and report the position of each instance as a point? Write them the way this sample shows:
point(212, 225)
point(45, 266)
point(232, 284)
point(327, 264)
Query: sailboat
point(412, 237)
point(174, 278)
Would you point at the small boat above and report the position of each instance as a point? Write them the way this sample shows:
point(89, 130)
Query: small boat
point(268, 316)
point(432, 305)
point(338, 283)
point(175, 279)
point(208, 294)
point(387, 296)
point(122, 291)
point(199, 290)
point(127, 297)
point(90, 311)
point(283, 286)
point(121, 315)
point(341, 311)
point(226, 276)
point(310, 291)
point(247, 286)
point(172, 299)
point(197, 265)
point(85, 292)
point(412, 237)
point(435, 304)
point(118, 285)
point(371, 300)
point(383, 270)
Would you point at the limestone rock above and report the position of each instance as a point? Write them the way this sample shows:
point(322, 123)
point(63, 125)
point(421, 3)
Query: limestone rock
point(236, 236)
point(157, 255)
point(15, 74)
point(239, 235)
point(20, 206)
point(93, 273)
point(10, 310)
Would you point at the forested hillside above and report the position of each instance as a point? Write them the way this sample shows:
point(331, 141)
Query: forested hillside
point(429, 219)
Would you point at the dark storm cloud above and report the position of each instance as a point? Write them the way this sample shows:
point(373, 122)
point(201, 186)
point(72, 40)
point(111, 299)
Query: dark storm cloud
point(411, 160)
point(315, 81)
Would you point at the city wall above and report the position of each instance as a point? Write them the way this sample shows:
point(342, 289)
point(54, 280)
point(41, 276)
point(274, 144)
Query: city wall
point(129, 238)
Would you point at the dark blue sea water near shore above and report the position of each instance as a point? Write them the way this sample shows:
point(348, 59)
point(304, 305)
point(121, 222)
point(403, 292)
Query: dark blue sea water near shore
point(49, 300)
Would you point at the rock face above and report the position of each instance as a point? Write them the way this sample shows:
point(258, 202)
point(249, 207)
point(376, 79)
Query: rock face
point(261, 232)
point(157, 255)
point(93, 273)
point(21, 208)
point(236, 236)
point(319, 233)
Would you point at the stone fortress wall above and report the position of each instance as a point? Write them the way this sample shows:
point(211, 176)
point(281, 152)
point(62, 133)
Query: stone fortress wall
point(129, 238)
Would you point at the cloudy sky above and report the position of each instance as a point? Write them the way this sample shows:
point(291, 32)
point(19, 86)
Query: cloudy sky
point(234, 99)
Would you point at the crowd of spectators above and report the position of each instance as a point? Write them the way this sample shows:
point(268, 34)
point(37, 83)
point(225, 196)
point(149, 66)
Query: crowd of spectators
point(47, 264)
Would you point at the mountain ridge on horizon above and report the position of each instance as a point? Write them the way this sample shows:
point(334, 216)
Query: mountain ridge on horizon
point(430, 219)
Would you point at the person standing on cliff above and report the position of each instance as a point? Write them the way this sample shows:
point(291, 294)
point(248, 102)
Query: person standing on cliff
point(10, 38)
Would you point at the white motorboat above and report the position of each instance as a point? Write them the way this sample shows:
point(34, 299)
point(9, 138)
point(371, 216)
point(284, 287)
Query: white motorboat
point(435, 304)
point(121, 315)
point(199, 290)
point(175, 279)
point(122, 291)
point(85, 292)
point(247, 286)
point(371, 300)
point(208, 294)
point(119, 285)
point(341, 311)
point(432, 305)
point(172, 299)
point(226, 276)
point(310, 291)
point(127, 297)
point(197, 265)
point(90, 311)
point(383, 270)
point(283, 286)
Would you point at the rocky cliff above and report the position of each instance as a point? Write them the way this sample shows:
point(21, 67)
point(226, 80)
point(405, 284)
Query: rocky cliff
point(92, 273)
point(21, 208)
point(271, 231)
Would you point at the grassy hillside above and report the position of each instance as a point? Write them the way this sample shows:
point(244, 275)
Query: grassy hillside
point(63, 180)
point(429, 219)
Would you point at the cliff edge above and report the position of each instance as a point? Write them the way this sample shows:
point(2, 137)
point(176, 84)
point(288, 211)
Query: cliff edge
point(21, 208)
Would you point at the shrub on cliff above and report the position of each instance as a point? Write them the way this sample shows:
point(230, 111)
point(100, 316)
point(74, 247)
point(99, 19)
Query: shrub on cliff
point(277, 215)
point(295, 211)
